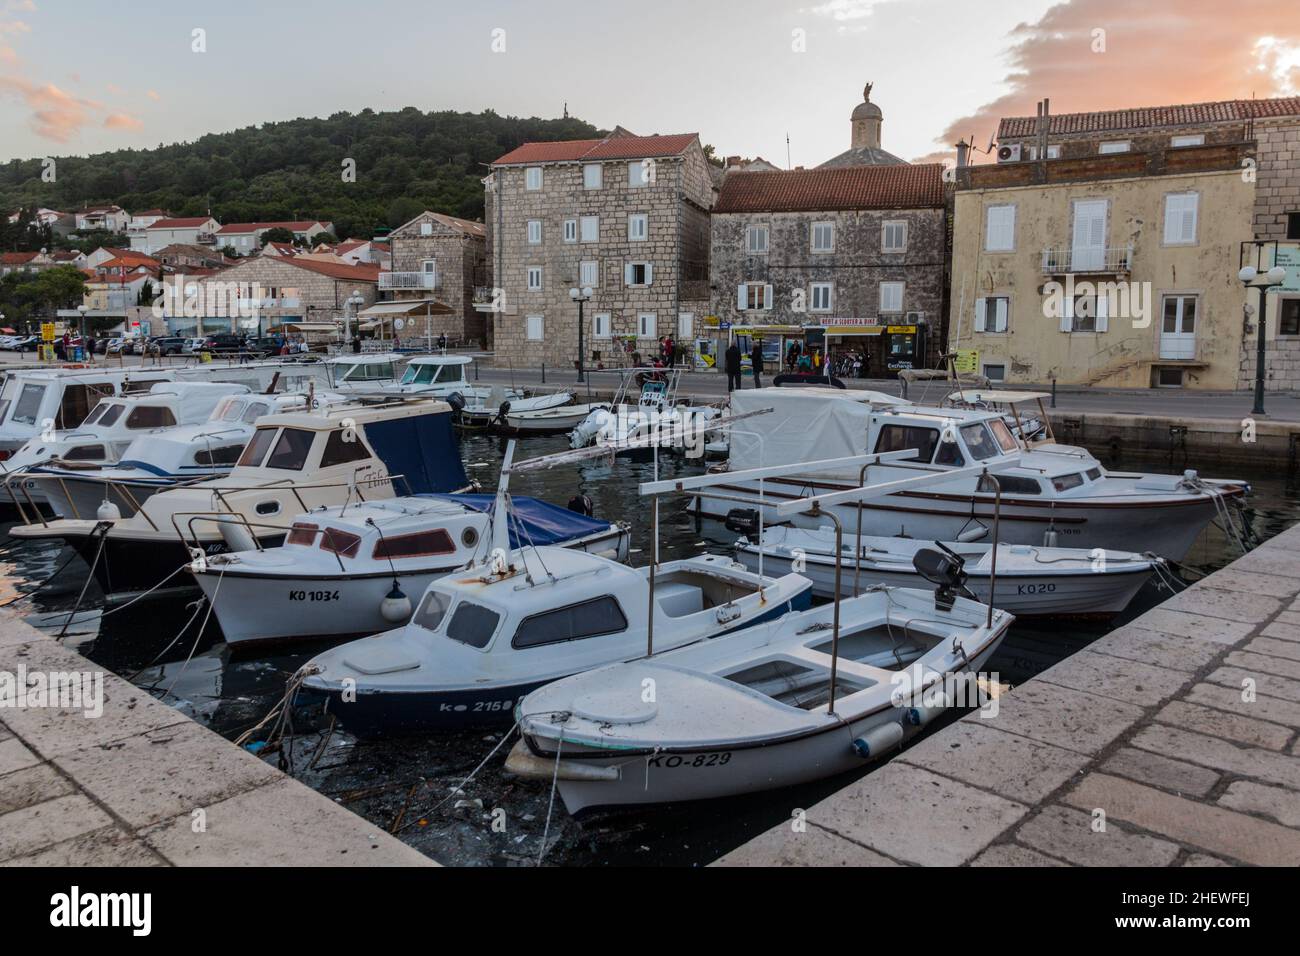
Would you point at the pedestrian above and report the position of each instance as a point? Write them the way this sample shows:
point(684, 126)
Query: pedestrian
point(356, 344)
point(733, 366)
point(756, 362)
point(670, 351)
point(90, 348)
point(442, 343)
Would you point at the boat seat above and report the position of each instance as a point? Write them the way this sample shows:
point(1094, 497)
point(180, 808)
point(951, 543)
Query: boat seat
point(678, 599)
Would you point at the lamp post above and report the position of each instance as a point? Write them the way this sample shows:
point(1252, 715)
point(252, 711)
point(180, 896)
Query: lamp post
point(355, 301)
point(581, 296)
point(81, 323)
point(1252, 278)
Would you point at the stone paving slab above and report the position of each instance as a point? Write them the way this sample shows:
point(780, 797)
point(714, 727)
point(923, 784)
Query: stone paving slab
point(1163, 650)
point(1160, 771)
point(1069, 719)
point(1277, 802)
point(1011, 854)
point(1229, 698)
point(813, 846)
point(1248, 661)
point(1071, 835)
point(1119, 678)
point(1223, 603)
point(1253, 762)
point(1244, 730)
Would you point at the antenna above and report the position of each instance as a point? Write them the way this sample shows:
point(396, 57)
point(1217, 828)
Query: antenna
point(787, 151)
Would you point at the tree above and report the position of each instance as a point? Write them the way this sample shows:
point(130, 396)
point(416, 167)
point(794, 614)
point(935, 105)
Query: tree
point(278, 234)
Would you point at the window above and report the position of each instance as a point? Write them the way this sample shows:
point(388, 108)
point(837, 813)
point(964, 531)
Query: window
point(343, 543)
point(1114, 147)
point(646, 324)
point(1293, 225)
point(534, 278)
point(641, 172)
point(534, 232)
point(255, 411)
point(638, 274)
point(417, 545)
point(29, 404)
point(85, 453)
point(533, 327)
point(1000, 229)
point(995, 373)
point(342, 448)
point(302, 533)
point(290, 452)
point(150, 416)
point(1288, 317)
point(1194, 140)
point(903, 437)
point(638, 226)
point(590, 228)
point(430, 267)
point(533, 178)
point(589, 619)
point(891, 296)
point(821, 297)
point(219, 456)
point(570, 230)
point(756, 240)
point(78, 400)
point(1011, 485)
point(426, 229)
point(991, 313)
point(1086, 313)
point(685, 325)
point(257, 447)
point(1053, 152)
point(754, 297)
point(979, 442)
point(893, 236)
point(1066, 482)
point(823, 237)
point(600, 325)
point(589, 274)
point(591, 176)
point(432, 610)
point(473, 624)
point(1003, 434)
point(1181, 210)
point(108, 414)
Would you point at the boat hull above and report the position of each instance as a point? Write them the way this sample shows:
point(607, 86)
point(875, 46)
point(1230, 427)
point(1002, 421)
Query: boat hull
point(80, 499)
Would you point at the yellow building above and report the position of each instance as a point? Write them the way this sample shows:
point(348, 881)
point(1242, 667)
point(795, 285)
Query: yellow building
point(1108, 268)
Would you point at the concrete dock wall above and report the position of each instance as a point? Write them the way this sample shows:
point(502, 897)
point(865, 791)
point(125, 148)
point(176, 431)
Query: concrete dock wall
point(141, 784)
point(1172, 741)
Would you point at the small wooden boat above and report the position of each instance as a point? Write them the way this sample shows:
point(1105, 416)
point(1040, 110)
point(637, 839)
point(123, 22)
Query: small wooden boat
point(549, 421)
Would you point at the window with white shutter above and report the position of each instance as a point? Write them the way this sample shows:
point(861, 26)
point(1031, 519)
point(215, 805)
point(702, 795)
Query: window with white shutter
point(1000, 229)
point(1181, 211)
point(991, 313)
point(534, 278)
point(756, 240)
point(646, 324)
point(891, 296)
point(754, 297)
point(570, 230)
point(534, 232)
point(590, 229)
point(589, 274)
point(822, 297)
point(638, 274)
point(534, 325)
point(591, 176)
point(533, 178)
point(823, 237)
point(600, 325)
point(638, 227)
point(893, 236)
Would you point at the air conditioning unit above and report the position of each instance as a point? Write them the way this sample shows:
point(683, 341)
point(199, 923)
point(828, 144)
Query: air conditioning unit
point(1009, 154)
point(915, 318)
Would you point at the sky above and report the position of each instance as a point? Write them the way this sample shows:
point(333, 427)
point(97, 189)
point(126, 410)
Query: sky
point(81, 76)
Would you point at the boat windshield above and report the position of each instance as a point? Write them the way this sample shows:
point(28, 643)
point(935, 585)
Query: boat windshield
point(424, 374)
point(980, 442)
point(105, 413)
point(1003, 434)
point(369, 372)
point(473, 624)
point(28, 404)
point(228, 411)
point(432, 610)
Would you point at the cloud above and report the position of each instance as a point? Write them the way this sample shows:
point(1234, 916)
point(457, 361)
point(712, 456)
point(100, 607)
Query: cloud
point(122, 121)
point(1158, 53)
point(153, 95)
point(849, 14)
point(56, 114)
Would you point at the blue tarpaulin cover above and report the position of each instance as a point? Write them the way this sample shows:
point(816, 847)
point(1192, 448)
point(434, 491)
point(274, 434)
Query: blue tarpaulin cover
point(424, 449)
point(534, 522)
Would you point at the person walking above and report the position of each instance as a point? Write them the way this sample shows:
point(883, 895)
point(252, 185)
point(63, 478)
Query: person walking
point(733, 366)
point(756, 362)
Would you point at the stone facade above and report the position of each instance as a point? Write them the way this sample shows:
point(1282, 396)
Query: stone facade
point(457, 250)
point(539, 325)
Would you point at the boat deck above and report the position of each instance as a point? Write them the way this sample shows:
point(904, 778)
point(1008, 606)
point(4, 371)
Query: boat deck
point(1151, 726)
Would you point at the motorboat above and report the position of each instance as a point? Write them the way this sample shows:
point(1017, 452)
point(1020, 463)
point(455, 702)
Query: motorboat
point(480, 641)
point(550, 421)
point(495, 408)
point(1055, 495)
point(166, 459)
point(347, 571)
point(363, 371)
point(106, 433)
point(655, 420)
point(295, 462)
point(1032, 581)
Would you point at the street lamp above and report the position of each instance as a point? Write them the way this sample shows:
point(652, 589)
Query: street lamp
point(355, 301)
point(81, 321)
point(1252, 278)
point(581, 296)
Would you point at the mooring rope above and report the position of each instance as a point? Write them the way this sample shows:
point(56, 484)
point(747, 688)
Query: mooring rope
point(550, 807)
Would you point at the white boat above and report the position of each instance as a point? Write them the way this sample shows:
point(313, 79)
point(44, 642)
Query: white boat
point(550, 421)
point(347, 571)
point(106, 433)
point(655, 418)
point(1032, 581)
point(1056, 494)
point(500, 403)
point(295, 462)
point(168, 459)
point(756, 711)
point(480, 641)
point(363, 371)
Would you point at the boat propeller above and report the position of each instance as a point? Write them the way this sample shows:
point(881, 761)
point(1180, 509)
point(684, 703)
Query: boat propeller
point(946, 570)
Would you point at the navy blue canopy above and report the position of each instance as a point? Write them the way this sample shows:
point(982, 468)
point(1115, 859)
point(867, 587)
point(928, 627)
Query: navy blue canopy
point(422, 448)
point(534, 522)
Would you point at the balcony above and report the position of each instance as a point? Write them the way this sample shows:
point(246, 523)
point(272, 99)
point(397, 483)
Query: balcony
point(1112, 260)
point(489, 299)
point(408, 281)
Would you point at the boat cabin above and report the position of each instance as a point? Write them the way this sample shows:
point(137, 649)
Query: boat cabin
point(367, 369)
point(442, 374)
point(33, 401)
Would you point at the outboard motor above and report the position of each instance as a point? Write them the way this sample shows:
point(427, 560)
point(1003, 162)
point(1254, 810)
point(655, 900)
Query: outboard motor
point(743, 521)
point(457, 402)
point(944, 569)
point(582, 504)
point(502, 412)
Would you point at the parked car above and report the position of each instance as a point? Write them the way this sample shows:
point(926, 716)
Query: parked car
point(167, 345)
point(223, 342)
point(24, 343)
point(194, 344)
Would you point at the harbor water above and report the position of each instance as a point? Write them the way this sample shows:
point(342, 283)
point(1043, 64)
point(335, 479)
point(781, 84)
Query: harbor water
point(411, 787)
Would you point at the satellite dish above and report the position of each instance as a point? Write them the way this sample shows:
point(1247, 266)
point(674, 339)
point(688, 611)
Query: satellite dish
point(399, 324)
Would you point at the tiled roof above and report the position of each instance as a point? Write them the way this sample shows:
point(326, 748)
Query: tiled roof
point(17, 258)
point(592, 150)
point(1189, 114)
point(188, 223)
point(335, 270)
point(850, 187)
point(244, 227)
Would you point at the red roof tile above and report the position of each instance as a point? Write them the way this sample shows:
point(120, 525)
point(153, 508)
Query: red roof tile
point(237, 228)
point(1188, 114)
point(17, 258)
point(591, 150)
point(188, 223)
point(845, 187)
point(363, 272)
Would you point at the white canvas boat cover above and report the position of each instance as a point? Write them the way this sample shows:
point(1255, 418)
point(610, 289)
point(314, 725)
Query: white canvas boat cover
point(805, 424)
point(195, 400)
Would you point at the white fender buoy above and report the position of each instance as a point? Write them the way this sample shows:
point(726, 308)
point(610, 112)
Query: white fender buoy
point(1049, 538)
point(108, 511)
point(878, 740)
point(973, 534)
point(236, 534)
point(920, 716)
point(396, 607)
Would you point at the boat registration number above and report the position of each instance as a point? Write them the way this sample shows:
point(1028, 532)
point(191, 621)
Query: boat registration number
point(673, 761)
point(313, 595)
point(1036, 589)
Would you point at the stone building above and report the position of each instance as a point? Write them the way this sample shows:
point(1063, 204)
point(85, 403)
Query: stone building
point(440, 259)
point(1240, 168)
point(626, 216)
point(864, 150)
point(839, 258)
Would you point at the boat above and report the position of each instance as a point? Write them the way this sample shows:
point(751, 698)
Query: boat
point(549, 421)
point(499, 403)
point(347, 571)
point(656, 420)
point(480, 641)
point(363, 371)
point(164, 460)
point(788, 702)
point(1032, 581)
point(1055, 495)
point(107, 432)
point(295, 462)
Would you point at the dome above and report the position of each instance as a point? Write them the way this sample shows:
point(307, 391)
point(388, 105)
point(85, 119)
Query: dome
point(867, 109)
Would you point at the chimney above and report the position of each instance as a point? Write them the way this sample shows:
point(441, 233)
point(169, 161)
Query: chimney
point(733, 161)
point(963, 154)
